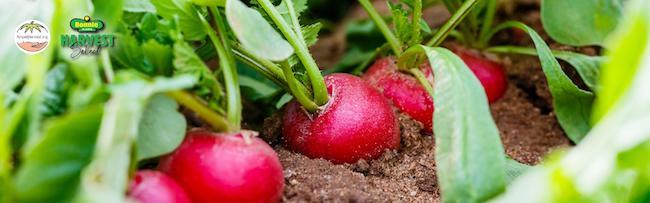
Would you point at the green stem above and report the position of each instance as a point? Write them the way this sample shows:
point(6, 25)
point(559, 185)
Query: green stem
point(263, 68)
point(422, 79)
point(455, 19)
point(417, 15)
point(299, 94)
point(107, 66)
point(313, 72)
point(395, 44)
point(487, 23)
point(514, 50)
point(294, 21)
point(227, 66)
point(198, 106)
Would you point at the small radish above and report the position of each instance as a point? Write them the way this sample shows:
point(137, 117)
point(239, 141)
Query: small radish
point(403, 90)
point(491, 74)
point(356, 123)
point(226, 168)
point(155, 187)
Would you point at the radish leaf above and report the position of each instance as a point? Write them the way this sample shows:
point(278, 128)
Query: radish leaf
point(470, 159)
point(588, 67)
point(188, 17)
point(255, 33)
point(51, 169)
point(571, 104)
point(590, 22)
point(161, 129)
point(611, 163)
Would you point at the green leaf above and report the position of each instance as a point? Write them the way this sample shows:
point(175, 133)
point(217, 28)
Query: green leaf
point(159, 56)
point(138, 6)
point(187, 62)
point(610, 164)
point(50, 170)
point(580, 23)
point(209, 2)
point(618, 72)
point(128, 54)
point(108, 11)
point(571, 104)
point(255, 33)
point(57, 84)
point(188, 17)
point(514, 169)
point(299, 6)
point(105, 179)
point(470, 159)
point(310, 32)
point(588, 67)
point(161, 129)
point(403, 27)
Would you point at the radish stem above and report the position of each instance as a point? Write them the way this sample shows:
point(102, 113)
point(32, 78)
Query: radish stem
point(455, 19)
point(320, 96)
point(226, 64)
point(487, 24)
point(299, 94)
point(395, 44)
point(198, 106)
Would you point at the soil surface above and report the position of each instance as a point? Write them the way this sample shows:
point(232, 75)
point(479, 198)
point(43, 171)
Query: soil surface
point(525, 118)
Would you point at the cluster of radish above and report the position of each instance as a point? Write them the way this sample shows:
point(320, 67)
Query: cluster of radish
point(338, 117)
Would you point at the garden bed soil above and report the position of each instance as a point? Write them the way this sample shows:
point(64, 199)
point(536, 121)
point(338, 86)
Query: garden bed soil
point(524, 116)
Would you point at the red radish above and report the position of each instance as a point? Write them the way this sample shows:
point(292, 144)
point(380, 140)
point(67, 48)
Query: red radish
point(491, 74)
point(356, 123)
point(225, 168)
point(155, 187)
point(403, 90)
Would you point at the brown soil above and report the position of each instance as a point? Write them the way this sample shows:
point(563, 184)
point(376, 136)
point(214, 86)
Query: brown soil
point(525, 118)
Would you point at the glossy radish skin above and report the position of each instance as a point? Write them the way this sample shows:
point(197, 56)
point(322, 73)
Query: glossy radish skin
point(403, 90)
point(491, 74)
point(224, 168)
point(357, 123)
point(150, 186)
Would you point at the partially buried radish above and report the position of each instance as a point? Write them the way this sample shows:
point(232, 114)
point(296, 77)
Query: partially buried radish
point(226, 168)
point(150, 186)
point(491, 75)
point(403, 90)
point(356, 123)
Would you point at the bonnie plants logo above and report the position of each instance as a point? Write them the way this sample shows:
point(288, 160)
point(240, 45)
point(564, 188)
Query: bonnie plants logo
point(32, 36)
point(86, 24)
point(89, 41)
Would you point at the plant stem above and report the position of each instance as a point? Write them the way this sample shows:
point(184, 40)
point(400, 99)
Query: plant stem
point(422, 79)
point(313, 72)
point(216, 121)
point(294, 22)
point(227, 66)
point(417, 15)
point(487, 23)
point(455, 19)
point(107, 66)
point(395, 44)
point(300, 95)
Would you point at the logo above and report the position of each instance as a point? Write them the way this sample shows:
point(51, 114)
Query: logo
point(88, 41)
point(32, 36)
point(86, 24)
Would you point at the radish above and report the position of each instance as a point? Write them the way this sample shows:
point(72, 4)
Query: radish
point(226, 168)
point(403, 90)
point(356, 123)
point(155, 187)
point(491, 74)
